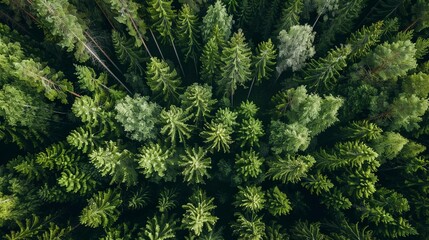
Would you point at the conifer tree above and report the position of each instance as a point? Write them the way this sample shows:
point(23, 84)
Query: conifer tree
point(153, 160)
point(117, 163)
point(77, 181)
point(216, 17)
point(250, 131)
point(250, 198)
point(102, 209)
point(197, 99)
point(163, 15)
point(249, 164)
point(210, 61)
point(296, 135)
point(138, 116)
point(365, 38)
point(126, 12)
point(218, 136)
point(162, 80)
point(188, 30)
point(291, 168)
point(263, 62)
point(384, 63)
point(290, 15)
point(235, 66)
point(277, 202)
point(195, 164)
point(19, 108)
point(362, 130)
point(248, 226)
point(198, 213)
point(160, 227)
point(60, 17)
point(324, 72)
point(175, 126)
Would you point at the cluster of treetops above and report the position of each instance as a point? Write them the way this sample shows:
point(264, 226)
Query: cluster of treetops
point(214, 119)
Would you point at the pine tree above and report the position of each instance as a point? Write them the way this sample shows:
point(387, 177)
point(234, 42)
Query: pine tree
point(138, 116)
point(102, 209)
point(417, 84)
point(236, 63)
point(365, 38)
point(197, 99)
point(167, 200)
point(195, 164)
point(248, 164)
point(152, 159)
point(117, 163)
point(198, 213)
point(250, 198)
point(210, 61)
point(127, 53)
point(296, 135)
point(216, 17)
point(218, 136)
point(162, 79)
point(362, 130)
point(77, 181)
point(354, 154)
point(324, 72)
point(188, 31)
point(407, 111)
point(290, 15)
point(248, 226)
point(127, 13)
point(60, 18)
point(163, 15)
point(160, 227)
point(317, 183)
point(291, 168)
point(306, 230)
point(384, 64)
point(175, 126)
point(21, 109)
point(250, 131)
point(263, 62)
point(277, 202)
point(83, 139)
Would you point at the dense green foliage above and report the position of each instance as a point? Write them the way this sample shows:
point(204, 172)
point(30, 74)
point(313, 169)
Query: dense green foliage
point(214, 119)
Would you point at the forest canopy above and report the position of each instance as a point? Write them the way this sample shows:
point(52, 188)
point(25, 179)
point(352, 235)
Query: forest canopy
point(214, 119)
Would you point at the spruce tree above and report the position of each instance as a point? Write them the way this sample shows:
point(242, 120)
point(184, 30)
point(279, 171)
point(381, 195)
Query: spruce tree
point(236, 64)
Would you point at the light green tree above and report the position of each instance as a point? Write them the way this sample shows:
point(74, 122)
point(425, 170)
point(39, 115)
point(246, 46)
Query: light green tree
point(188, 31)
point(384, 64)
point(295, 47)
point(291, 168)
point(160, 227)
point(175, 126)
point(296, 135)
point(153, 160)
point(197, 99)
point(249, 164)
point(138, 116)
point(195, 165)
point(119, 164)
point(278, 203)
point(248, 226)
point(102, 209)
point(216, 17)
point(198, 213)
point(217, 136)
point(162, 80)
point(250, 198)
